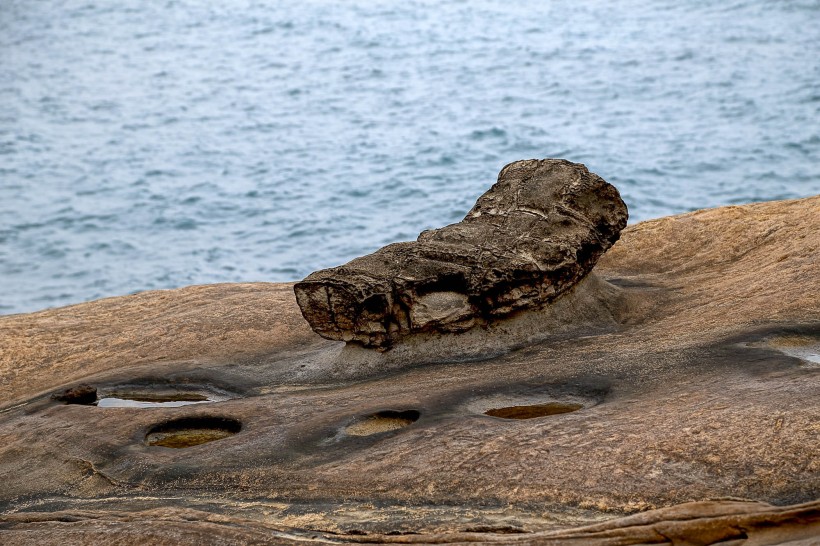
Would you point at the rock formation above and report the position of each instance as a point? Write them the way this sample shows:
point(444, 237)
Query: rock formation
point(530, 238)
point(706, 388)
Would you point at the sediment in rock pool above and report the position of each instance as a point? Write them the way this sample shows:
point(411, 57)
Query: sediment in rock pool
point(530, 238)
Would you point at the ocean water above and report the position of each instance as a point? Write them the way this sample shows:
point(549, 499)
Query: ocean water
point(157, 144)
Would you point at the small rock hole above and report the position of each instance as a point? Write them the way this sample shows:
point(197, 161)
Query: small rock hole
point(454, 282)
point(81, 394)
point(383, 421)
point(152, 399)
point(533, 411)
point(375, 304)
point(191, 431)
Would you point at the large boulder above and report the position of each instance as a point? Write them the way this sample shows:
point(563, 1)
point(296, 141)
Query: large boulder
point(530, 238)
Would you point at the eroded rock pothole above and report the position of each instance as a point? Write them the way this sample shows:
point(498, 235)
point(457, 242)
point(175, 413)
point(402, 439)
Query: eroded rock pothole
point(159, 396)
point(382, 421)
point(153, 400)
point(191, 431)
point(83, 394)
point(802, 346)
point(534, 403)
point(534, 410)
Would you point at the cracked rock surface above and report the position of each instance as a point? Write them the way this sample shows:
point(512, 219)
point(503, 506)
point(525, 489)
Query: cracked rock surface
point(537, 232)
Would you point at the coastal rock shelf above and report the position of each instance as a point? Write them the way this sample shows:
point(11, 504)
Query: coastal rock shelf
point(706, 388)
point(528, 240)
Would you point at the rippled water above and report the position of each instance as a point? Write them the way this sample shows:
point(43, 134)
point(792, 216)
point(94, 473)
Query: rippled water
point(159, 144)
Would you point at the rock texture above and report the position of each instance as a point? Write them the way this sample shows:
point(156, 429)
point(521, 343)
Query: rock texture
point(704, 387)
point(530, 238)
point(718, 523)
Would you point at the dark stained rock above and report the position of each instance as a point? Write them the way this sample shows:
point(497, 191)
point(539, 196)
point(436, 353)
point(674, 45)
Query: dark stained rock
point(530, 238)
point(81, 394)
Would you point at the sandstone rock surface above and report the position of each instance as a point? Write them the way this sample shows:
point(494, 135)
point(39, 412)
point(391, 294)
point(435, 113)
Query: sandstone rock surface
point(530, 238)
point(703, 386)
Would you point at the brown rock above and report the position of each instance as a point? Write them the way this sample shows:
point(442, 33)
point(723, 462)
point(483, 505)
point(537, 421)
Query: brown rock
point(704, 387)
point(530, 238)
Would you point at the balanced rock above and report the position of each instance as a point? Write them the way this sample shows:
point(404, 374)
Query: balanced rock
point(530, 238)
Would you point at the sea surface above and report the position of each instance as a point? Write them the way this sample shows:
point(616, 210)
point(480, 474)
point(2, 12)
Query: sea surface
point(154, 144)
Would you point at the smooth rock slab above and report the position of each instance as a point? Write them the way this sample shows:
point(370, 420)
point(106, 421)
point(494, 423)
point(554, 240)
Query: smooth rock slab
point(536, 233)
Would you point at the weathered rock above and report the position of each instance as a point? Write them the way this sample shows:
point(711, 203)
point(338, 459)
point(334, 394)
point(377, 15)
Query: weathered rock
point(530, 238)
point(81, 394)
point(706, 390)
point(720, 523)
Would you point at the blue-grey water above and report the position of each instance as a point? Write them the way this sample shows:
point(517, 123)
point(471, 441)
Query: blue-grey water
point(154, 144)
